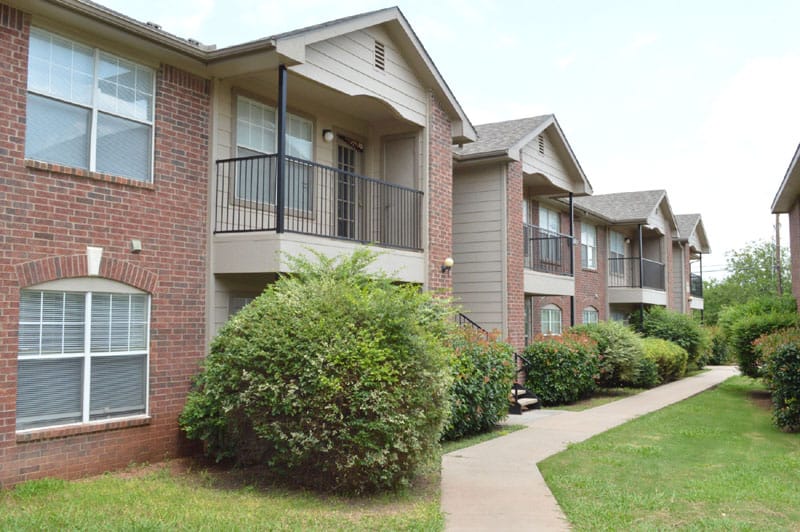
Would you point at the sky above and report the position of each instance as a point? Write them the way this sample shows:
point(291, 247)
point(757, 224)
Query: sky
point(700, 98)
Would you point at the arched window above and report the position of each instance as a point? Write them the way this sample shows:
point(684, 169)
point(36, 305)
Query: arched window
point(590, 315)
point(83, 352)
point(551, 320)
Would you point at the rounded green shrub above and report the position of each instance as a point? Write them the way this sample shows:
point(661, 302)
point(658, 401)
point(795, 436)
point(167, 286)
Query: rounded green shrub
point(681, 329)
point(619, 352)
point(483, 372)
point(334, 378)
point(562, 368)
point(645, 373)
point(780, 354)
point(669, 357)
point(717, 351)
point(747, 329)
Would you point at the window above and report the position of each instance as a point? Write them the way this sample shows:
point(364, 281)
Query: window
point(88, 109)
point(616, 315)
point(256, 135)
point(588, 246)
point(616, 254)
point(550, 239)
point(551, 320)
point(82, 357)
point(590, 315)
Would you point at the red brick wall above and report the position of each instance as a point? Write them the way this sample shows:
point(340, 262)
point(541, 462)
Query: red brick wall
point(515, 298)
point(794, 247)
point(440, 197)
point(591, 284)
point(51, 214)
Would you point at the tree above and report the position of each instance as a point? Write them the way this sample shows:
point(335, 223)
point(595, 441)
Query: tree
point(752, 273)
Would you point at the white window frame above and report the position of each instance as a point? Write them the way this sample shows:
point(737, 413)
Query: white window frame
point(550, 243)
point(588, 246)
point(616, 250)
point(88, 353)
point(95, 107)
point(551, 320)
point(294, 169)
point(591, 315)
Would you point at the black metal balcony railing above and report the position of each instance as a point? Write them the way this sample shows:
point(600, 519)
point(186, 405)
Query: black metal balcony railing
point(547, 251)
point(318, 200)
point(624, 272)
point(696, 285)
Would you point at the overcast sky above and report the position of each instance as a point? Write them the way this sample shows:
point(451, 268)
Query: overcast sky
point(701, 98)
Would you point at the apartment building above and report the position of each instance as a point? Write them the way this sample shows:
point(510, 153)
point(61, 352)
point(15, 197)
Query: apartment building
point(787, 201)
point(512, 236)
point(149, 183)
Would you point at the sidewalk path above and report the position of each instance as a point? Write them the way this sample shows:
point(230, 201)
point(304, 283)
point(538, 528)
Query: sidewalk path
point(496, 485)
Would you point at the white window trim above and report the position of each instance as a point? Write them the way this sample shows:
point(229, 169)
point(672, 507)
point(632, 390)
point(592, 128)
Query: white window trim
point(239, 144)
point(586, 243)
point(593, 311)
point(546, 311)
point(88, 354)
point(95, 110)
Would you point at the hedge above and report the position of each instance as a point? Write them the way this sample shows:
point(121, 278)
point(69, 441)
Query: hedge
point(562, 368)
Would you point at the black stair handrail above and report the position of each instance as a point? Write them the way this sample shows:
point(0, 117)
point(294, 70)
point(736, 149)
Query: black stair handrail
point(519, 369)
point(463, 321)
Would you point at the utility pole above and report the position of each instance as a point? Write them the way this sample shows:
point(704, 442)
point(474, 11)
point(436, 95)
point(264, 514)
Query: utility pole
point(778, 269)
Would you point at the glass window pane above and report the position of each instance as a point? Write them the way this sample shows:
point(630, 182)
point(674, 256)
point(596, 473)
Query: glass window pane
point(29, 336)
point(118, 386)
point(49, 392)
point(123, 147)
point(53, 61)
point(57, 132)
point(30, 306)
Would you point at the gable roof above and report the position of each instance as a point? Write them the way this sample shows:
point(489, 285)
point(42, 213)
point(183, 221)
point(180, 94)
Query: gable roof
point(789, 190)
point(626, 207)
point(503, 137)
point(508, 138)
point(287, 48)
point(692, 225)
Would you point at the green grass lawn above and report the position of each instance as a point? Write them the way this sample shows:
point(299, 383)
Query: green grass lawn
point(180, 495)
point(712, 462)
point(599, 397)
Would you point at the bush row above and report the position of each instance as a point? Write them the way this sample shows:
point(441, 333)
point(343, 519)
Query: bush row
point(779, 353)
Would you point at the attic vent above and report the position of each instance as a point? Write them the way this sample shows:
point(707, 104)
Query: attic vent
point(380, 56)
point(541, 144)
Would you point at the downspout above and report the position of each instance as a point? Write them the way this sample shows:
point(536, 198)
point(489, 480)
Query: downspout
point(641, 272)
point(702, 310)
point(572, 258)
point(281, 173)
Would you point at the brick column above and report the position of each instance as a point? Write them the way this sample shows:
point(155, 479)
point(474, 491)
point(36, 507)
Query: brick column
point(440, 197)
point(515, 276)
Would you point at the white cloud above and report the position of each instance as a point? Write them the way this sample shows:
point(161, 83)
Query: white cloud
point(642, 40)
point(565, 61)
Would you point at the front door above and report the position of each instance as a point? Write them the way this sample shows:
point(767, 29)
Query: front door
point(346, 191)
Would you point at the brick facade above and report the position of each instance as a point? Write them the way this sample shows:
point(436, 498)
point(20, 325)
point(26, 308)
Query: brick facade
point(515, 277)
point(51, 214)
point(591, 285)
point(440, 197)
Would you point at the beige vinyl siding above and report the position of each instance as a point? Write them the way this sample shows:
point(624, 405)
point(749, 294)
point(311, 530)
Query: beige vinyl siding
point(347, 63)
point(550, 164)
point(227, 286)
point(478, 232)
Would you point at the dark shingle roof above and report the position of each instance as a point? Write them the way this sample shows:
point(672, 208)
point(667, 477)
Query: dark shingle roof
point(500, 136)
point(622, 206)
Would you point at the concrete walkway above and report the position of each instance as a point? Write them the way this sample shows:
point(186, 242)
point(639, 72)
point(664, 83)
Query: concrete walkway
point(496, 485)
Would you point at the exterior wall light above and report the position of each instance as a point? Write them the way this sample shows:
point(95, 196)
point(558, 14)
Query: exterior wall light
point(447, 264)
point(327, 135)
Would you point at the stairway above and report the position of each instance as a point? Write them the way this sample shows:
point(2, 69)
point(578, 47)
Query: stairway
point(521, 400)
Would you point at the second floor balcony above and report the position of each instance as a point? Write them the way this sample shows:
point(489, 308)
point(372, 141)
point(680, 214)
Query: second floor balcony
point(317, 200)
point(636, 272)
point(547, 251)
point(696, 285)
